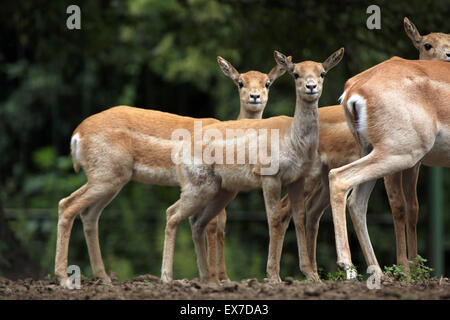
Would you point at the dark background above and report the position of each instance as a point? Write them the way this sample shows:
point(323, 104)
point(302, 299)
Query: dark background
point(162, 55)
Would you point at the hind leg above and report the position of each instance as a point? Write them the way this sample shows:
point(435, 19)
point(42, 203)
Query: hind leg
point(410, 177)
point(199, 222)
point(397, 202)
point(80, 200)
point(68, 208)
point(357, 206)
point(188, 204)
point(375, 165)
point(90, 217)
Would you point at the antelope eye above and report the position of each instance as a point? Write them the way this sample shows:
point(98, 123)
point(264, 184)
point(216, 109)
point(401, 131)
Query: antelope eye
point(427, 46)
point(267, 84)
point(323, 74)
point(240, 84)
point(296, 75)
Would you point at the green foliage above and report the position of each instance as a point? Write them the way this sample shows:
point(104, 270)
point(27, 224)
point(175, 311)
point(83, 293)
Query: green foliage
point(338, 275)
point(398, 272)
point(419, 271)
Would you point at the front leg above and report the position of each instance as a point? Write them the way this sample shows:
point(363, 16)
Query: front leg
point(272, 191)
point(296, 197)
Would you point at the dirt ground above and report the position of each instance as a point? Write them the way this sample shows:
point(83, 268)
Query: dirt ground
point(150, 287)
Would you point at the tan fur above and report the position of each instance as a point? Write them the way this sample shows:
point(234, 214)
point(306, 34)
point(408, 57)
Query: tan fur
point(406, 107)
point(219, 183)
point(439, 42)
point(122, 144)
point(400, 187)
point(337, 148)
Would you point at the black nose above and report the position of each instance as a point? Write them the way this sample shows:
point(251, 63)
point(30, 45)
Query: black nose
point(254, 96)
point(311, 86)
point(448, 54)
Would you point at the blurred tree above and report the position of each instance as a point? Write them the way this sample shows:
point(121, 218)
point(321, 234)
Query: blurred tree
point(161, 54)
point(15, 262)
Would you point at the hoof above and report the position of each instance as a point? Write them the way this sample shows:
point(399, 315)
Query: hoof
point(313, 277)
point(165, 278)
point(351, 274)
point(105, 281)
point(209, 280)
point(276, 279)
point(214, 279)
point(224, 277)
point(349, 269)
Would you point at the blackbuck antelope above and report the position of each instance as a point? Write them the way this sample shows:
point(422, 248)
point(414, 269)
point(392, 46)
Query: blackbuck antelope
point(209, 184)
point(125, 143)
point(253, 88)
point(398, 112)
point(337, 147)
point(400, 186)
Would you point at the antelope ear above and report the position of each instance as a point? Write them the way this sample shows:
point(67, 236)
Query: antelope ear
point(277, 72)
point(412, 32)
point(283, 61)
point(228, 69)
point(333, 60)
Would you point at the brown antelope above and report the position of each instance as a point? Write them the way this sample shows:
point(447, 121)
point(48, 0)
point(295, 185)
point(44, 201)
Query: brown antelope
point(405, 209)
point(253, 88)
point(219, 182)
point(398, 112)
point(400, 187)
point(337, 147)
point(125, 143)
point(253, 100)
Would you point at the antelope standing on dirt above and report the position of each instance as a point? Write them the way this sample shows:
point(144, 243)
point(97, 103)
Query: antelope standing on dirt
point(399, 113)
point(218, 183)
point(125, 143)
point(400, 186)
point(253, 89)
point(338, 147)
